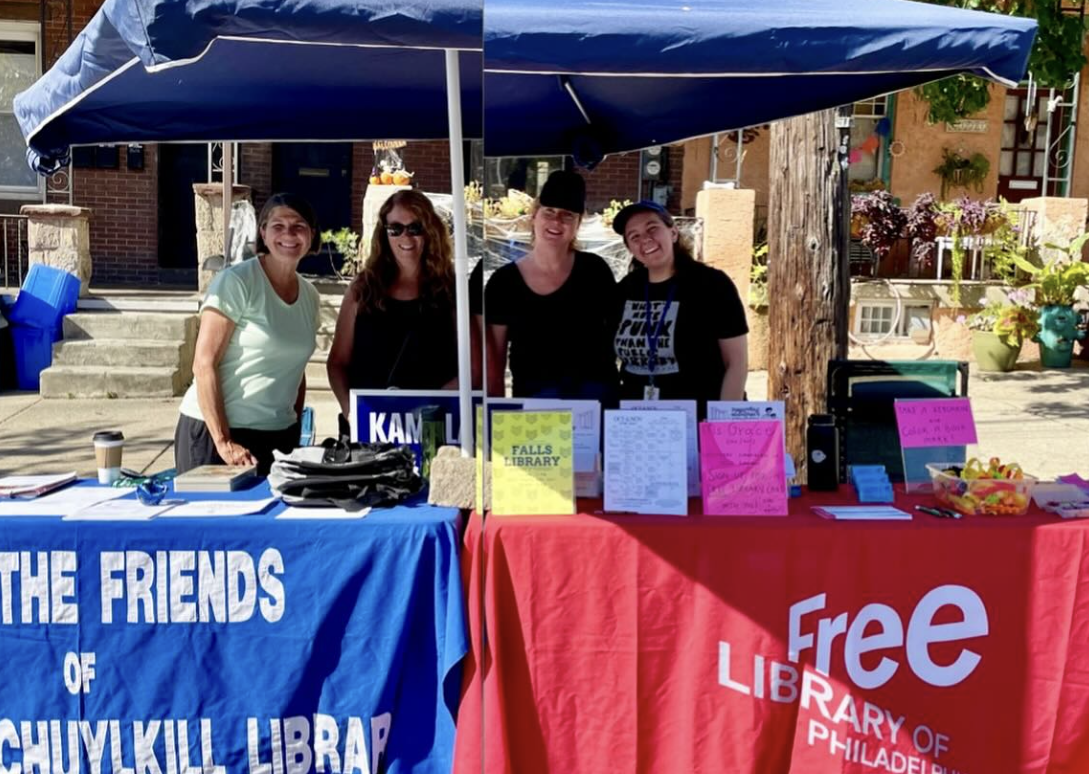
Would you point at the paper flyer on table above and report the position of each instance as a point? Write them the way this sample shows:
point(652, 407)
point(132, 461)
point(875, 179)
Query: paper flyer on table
point(117, 510)
point(692, 460)
point(216, 508)
point(533, 470)
point(743, 468)
point(646, 462)
point(63, 502)
point(318, 514)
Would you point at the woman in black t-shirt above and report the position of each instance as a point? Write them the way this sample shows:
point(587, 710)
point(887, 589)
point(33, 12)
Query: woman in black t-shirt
point(552, 309)
point(682, 332)
point(397, 326)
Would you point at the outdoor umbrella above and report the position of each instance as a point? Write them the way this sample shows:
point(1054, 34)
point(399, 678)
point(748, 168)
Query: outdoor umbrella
point(589, 77)
point(250, 70)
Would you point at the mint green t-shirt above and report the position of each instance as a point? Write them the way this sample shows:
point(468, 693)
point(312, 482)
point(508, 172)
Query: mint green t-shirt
point(263, 365)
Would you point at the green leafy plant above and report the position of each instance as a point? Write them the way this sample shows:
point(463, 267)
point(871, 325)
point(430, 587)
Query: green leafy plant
point(952, 99)
point(1014, 321)
point(1056, 281)
point(346, 242)
point(758, 276)
point(957, 171)
point(610, 212)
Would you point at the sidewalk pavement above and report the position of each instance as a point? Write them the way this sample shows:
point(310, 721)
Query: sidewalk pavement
point(1039, 419)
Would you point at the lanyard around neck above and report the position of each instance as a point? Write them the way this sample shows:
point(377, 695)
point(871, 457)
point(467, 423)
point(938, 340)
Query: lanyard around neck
point(652, 337)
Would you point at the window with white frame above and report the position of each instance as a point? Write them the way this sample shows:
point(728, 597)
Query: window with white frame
point(875, 319)
point(868, 162)
point(19, 68)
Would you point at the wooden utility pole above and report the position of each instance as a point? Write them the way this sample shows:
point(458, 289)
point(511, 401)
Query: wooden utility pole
point(809, 282)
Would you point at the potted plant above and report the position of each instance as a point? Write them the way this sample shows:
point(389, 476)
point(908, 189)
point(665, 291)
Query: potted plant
point(1000, 329)
point(1055, 283)
point(878, 220)
point(957, 171)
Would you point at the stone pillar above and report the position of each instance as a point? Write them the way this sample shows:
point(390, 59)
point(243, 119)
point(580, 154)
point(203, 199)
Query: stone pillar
point(60, 236)
point(727, 215)
point(1058, 220)
point(208, 198)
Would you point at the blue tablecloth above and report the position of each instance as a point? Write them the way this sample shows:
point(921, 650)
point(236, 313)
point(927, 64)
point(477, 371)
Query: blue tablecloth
point(255, 644)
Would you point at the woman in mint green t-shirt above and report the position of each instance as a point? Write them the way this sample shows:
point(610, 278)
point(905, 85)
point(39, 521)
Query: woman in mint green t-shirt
point(257, 329)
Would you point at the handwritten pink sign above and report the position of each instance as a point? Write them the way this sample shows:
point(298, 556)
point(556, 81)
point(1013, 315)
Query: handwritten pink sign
point(935, 422)
point(742, 468)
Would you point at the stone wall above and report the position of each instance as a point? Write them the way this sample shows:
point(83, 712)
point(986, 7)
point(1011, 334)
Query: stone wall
point(59, 236)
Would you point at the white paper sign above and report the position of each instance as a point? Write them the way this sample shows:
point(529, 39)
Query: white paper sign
point(692, 459)
point(646, 462)
point(740, 410)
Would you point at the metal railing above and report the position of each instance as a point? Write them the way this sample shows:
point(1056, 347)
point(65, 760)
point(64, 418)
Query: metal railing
point(14, 249)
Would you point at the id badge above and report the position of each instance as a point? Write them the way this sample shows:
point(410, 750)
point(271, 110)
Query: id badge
point(650, 392)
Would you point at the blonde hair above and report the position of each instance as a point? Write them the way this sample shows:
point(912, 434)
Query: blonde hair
point(534, 209)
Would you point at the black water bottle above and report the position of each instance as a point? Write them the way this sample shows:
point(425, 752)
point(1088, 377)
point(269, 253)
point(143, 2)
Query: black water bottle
point(822, 453)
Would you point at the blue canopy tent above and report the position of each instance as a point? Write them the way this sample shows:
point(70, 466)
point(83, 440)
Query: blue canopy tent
point(590, 77)
point(250, 70)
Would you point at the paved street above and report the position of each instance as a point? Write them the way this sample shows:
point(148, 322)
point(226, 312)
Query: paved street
point(1037, 418)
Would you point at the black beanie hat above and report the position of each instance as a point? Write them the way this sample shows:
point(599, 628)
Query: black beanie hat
point(565, 191)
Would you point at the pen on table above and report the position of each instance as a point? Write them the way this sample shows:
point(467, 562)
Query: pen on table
point(941, 513)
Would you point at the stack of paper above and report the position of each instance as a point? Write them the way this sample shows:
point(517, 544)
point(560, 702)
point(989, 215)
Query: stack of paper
point(32, 486)
point(862, 513)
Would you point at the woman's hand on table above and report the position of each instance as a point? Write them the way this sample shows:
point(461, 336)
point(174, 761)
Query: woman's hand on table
point(234, 453)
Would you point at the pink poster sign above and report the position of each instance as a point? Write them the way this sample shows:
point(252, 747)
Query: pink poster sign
point(935, 422)
point(742, 468)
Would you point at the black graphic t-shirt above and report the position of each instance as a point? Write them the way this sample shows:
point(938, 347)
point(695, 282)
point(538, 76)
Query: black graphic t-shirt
point(704, 308)
point(560, 343)
point(407, 345)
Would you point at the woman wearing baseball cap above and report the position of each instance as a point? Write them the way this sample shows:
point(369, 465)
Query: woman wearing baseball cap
point(552, 310)
point(682, 332)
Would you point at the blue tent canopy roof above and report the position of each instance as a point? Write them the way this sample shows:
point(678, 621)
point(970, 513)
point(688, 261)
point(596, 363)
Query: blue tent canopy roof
point(249, 70)
point(624, 74)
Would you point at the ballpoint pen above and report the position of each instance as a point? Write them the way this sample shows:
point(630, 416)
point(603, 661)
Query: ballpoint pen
point(941, 513)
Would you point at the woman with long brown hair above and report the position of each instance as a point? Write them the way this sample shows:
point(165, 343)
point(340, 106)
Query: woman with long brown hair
point(396, 327)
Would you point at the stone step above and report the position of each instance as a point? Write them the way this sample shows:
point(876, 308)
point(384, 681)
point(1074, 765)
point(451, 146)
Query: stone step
point(69, 381)
point(135, 353)
point(131, 325)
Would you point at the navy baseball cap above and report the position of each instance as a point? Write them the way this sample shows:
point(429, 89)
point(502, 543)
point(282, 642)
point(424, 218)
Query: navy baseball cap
point(622, 217)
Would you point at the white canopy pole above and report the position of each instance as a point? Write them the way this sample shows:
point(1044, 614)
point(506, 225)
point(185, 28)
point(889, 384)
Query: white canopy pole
point(228, 189)
point(461, 252)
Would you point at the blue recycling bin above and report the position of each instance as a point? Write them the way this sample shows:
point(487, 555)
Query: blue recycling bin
point(33, 349)
point(36, 317)
point(47, 295)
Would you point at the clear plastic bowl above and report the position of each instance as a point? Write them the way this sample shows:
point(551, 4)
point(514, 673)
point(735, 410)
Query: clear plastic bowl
point(982, 496)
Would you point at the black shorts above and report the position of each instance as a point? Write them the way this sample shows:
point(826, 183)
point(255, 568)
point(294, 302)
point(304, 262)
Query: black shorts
point(193, 444)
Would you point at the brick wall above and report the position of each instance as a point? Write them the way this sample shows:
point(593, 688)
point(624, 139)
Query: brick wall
point(256, 171)
point(430, 161)
point(124, 220)
point(617, 177)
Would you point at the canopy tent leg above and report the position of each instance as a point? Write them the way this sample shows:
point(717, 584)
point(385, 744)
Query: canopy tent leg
point(461, 252)
point(228, 178)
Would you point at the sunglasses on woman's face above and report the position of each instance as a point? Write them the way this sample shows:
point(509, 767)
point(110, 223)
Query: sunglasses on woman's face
point(414, 229)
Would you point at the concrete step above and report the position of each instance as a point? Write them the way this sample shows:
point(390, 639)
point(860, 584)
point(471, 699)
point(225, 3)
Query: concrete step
point(131, 325)
point(135, 353)
point(70, 381)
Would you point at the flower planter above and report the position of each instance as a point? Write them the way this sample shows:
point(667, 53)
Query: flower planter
point(993, 354)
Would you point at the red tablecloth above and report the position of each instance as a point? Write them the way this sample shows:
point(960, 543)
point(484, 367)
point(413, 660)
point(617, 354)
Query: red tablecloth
point(662, 644)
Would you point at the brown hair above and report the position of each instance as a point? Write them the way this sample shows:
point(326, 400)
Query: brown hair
point(292, 202)
point(380, 270)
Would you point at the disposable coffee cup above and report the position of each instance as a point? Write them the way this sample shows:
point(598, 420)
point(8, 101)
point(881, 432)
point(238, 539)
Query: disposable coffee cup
point(108, 447)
